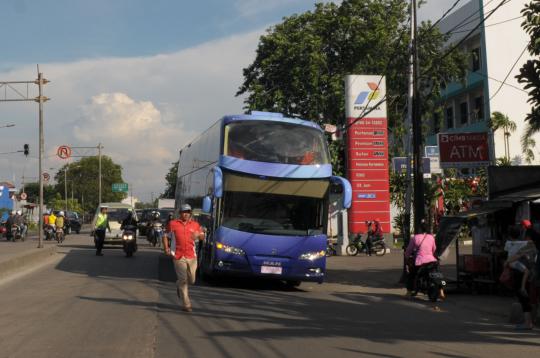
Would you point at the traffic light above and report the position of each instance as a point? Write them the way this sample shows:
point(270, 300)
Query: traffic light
point(26, 149)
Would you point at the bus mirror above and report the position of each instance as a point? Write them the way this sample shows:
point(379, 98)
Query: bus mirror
point(218, 182)
point(207, 205)
point(347, 190)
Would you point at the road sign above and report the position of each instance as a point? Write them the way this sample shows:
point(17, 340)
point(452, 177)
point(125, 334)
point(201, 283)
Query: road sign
point(464, 150)
point(46, 176)
point(120, 188)
point(432, 152)
point(24, 196)
point(63, 152)
point(400, 165)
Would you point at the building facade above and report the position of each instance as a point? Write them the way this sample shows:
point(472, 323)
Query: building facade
point(497, 52)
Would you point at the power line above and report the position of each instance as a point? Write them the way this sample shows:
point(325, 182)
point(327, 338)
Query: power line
point(490, 25)
point(445, 14)
point(510, 71)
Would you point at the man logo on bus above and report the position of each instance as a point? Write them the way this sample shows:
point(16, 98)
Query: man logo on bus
point(369, 95)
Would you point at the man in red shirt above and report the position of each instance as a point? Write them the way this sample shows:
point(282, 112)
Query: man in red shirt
point(183, 232)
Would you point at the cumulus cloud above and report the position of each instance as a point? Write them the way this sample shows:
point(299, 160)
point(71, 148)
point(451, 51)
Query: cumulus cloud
point(146, 108)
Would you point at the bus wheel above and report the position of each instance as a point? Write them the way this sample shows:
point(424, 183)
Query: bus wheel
point(293, 284)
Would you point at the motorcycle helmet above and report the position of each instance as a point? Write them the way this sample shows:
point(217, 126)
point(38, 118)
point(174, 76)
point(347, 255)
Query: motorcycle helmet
point(185, 207)
point(155, 214)
point(19, 212)
point(61, 213)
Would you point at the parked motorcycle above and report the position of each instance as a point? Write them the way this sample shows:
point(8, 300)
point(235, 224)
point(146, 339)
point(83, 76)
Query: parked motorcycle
point(357, 246)
point(129, 240)
point(330, 248)
point(430, 281)
point(60, 236)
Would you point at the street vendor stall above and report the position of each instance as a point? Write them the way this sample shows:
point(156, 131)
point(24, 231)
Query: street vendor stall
point(512, 195)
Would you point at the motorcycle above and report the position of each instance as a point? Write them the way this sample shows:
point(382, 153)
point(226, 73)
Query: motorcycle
point(430, 281)
point(330, 248)
point(60, 236)
point(16, 233)
point(357, 246)
point(129, 241)
point(49, 232)
point(156, 234)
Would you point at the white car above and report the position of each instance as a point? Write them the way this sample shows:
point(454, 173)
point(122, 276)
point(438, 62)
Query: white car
point(116, 213)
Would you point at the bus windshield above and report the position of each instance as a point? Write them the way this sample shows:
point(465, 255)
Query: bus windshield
point(276, 142)
point(274, 207)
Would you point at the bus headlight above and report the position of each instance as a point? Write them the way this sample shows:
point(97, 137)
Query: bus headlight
point(230, 249)
point(312, 256)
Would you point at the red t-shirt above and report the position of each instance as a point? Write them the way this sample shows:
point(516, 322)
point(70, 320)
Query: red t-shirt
point(183, 235)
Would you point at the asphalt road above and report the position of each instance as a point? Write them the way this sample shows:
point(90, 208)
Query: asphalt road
point(87, 306)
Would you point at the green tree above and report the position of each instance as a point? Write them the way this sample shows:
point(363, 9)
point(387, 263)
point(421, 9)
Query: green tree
point(32, 191)
point(301, 63)
point(83, 175)
point(57, 203)
point(529, 74)
point(170, 180)
point(501, 121)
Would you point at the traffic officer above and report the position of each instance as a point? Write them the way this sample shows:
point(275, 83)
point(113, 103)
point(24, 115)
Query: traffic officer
point(102, 224)
point(183, 232)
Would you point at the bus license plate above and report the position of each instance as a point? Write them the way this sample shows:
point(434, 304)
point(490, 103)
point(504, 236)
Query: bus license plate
point(276, 270)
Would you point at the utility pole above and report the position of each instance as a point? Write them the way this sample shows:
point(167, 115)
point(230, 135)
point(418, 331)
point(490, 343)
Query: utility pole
point(407, 138)
point(99, 155)
point(23, 95)
point(65, 188)
point(417, 134)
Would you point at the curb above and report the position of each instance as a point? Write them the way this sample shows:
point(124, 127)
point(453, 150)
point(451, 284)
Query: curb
point(25, 261)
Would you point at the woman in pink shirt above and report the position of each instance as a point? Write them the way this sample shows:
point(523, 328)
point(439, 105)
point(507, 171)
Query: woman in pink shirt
point(424, 246)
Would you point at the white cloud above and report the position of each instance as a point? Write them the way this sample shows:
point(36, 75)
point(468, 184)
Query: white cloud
point(143, 110)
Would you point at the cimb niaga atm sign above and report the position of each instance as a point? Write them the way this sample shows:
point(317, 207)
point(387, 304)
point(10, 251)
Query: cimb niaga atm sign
point(464, 150)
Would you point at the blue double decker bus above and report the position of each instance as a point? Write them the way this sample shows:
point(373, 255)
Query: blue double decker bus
point(262, 184)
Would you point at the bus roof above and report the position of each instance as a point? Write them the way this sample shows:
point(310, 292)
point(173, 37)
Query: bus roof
point(268, 116)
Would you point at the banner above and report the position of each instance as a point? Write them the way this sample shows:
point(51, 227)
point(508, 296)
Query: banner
point(367, 151)
point(463, 150)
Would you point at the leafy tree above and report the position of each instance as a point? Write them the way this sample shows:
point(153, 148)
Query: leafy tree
point(501, 121)
point(170, 179)
point(83, 175)
point(301, 63)
point(529, 74)
point(57, 203)
point(32, 191)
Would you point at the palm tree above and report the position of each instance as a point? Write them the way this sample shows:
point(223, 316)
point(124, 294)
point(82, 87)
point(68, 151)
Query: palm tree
point(501, 121)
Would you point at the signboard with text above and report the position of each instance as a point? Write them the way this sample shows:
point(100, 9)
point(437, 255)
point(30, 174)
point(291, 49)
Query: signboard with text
point(463, 150)
point(120, 188)
point(367, 151)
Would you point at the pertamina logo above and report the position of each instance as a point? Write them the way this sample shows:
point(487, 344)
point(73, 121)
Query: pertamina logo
point(368, 95)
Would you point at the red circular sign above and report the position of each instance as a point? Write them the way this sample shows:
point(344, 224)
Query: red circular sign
point(46, 176)
point(23, 196)
point(63, 152)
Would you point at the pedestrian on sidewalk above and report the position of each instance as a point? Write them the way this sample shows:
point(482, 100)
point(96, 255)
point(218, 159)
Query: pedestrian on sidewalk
point(183, 233)
point(102, 224)
point(519, 252)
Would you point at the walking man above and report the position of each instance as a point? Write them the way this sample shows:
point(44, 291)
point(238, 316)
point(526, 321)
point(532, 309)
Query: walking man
point(102, 224)
point(183, 232)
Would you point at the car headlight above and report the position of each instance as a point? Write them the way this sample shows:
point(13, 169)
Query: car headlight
point(311, 256)
point(230, 249)
point(127, 237)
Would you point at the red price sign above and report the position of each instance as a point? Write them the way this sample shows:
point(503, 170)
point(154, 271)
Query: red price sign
point(63, 152)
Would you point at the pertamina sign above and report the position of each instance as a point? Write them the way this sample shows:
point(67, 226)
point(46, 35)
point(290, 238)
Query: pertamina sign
point(464, 150)
point(367, 151)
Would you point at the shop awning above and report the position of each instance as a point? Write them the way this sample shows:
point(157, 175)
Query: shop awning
point(450, 226)
point(519, 196)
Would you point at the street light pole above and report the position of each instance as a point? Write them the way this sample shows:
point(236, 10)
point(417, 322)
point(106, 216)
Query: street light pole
point(65, 188)
point(41, 81)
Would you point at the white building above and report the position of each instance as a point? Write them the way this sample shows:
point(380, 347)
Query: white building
point(497, 54)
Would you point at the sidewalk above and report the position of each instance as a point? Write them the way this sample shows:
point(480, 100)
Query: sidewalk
point(22, 255)
point(385, 272)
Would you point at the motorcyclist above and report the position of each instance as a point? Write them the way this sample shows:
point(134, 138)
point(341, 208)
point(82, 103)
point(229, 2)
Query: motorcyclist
point(9, 223)
point(60, 221)
point(129, 220)
point(21, 221)
point(154, 219)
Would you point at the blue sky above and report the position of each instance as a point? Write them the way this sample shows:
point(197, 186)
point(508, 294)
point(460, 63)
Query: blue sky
point(150, 75)
point(67, 30)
